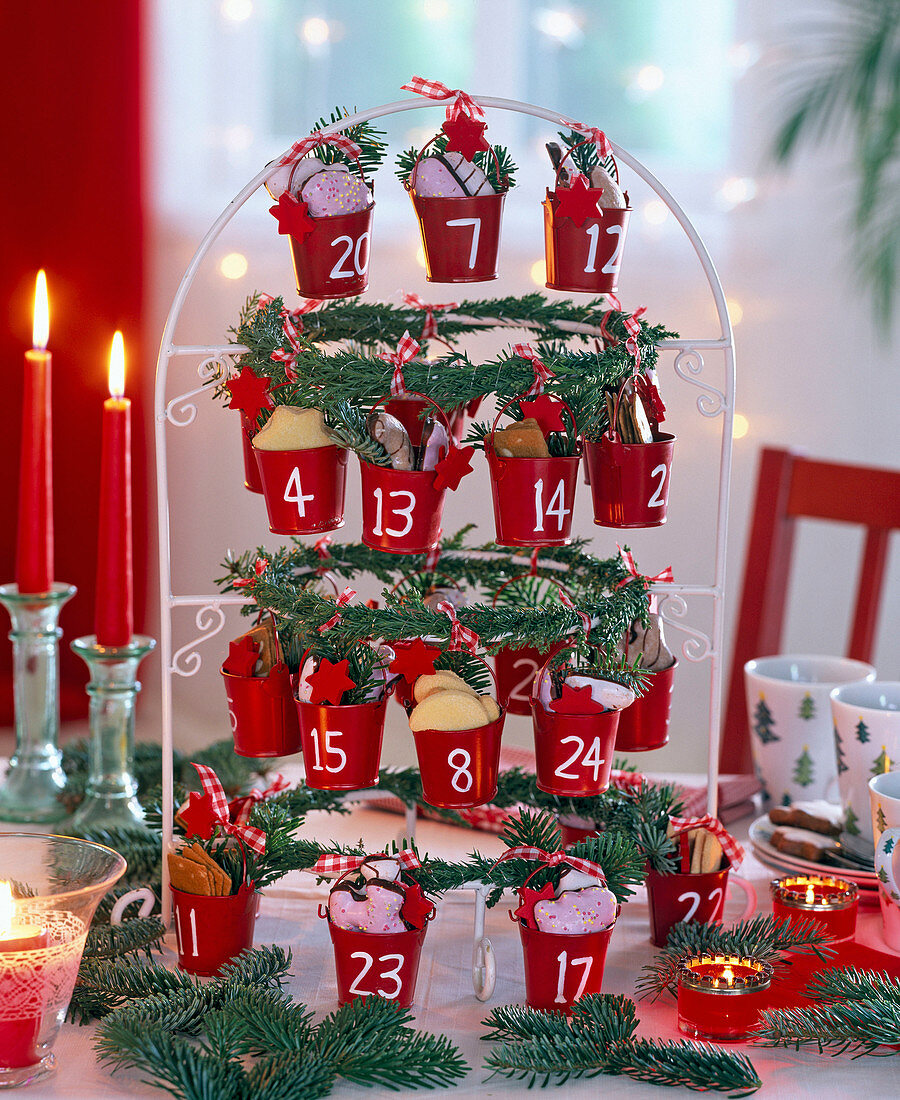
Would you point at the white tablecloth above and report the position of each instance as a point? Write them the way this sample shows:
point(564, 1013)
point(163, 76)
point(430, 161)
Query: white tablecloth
point(445, 1001)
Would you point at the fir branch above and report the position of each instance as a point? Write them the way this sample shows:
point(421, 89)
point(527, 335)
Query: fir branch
point(347, 425)
point(368, 137)
point(107, 941)
point(851, 984)
point(586, 157)
point(289, 1076)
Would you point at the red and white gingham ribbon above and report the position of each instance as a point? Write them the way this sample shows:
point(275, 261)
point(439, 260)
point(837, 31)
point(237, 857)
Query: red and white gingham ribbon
point(209, 781)
point(542, 373)
point(566, 601)
point(596, 136)
point(261, 566)
point(434, 89)
point(292, 326)
point(314, 141)
point(460, 636)
point(632, 327)
point(241, 808)
point(345, 597)
point(340, 865)
point(429, 330)
point(553, 859)
point(407, 349)
point(733, 851)
point(433, 555)
point(665, 577)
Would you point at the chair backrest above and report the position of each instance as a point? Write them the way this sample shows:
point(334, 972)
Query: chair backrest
point(790, 487)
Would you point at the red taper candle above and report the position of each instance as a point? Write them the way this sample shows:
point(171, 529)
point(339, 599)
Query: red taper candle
point(34, 547)
point(114, 612)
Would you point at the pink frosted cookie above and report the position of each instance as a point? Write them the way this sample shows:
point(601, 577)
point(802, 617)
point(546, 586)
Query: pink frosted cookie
point(577, 911)
point(330, 193)
point(374, 907)
point(449, 176)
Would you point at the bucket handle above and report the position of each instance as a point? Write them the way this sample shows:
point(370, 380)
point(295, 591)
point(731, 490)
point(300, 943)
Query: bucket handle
point(382, 402)
point(569, 152)
point(388, 690)
point(504, 181)
point(519, 397)
point(325, 166)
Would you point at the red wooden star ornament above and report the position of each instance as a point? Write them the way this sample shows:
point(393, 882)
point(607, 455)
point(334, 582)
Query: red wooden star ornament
point(574, 700)
point(529, 898)
point(413, 659)
point(198, 817)
point(243, 653)
point(293, 216)
point(453, 467)
point(578, 202)
point(466, 136)
point(249, 393)
point(329, 682)
point(416, 908)
point(546, 411)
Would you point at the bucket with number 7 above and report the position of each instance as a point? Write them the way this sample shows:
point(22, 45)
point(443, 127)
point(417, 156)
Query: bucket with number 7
point(534, 498)
point(697, 898)
point(561, 968)
point(341, 744)
point(304, 490)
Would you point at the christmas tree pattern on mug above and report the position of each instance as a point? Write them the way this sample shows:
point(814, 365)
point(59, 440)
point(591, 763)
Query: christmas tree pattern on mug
point(851, 825)
point(804, 769)
point(807, 707)
point(882, 763)
point(839, 752)
point(880, 822)
point(862, 732)
point(764, 723)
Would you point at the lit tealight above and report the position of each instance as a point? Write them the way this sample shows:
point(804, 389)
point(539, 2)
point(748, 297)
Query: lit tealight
point(737, 189)
point(648, 79)
point(735, 311)
point(561, 26)
point(234, 265)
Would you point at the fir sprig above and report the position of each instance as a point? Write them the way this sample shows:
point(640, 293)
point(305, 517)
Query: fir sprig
point(496, 163)
point(585, 157)
point(368, 137)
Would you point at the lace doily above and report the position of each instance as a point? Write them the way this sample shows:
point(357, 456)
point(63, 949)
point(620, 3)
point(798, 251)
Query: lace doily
point(33, 983)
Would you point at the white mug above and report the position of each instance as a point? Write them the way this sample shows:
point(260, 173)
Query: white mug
point(884, 793)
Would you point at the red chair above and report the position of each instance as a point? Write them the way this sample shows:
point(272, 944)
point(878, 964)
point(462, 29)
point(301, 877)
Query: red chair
point(790, 487)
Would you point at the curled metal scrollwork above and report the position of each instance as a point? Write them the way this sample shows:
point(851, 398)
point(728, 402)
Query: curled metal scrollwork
point(672, 606)
point(689, 364)
point(187, 661)
point(182, 411)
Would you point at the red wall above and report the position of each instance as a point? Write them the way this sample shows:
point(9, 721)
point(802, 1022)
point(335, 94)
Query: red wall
point(71, 202)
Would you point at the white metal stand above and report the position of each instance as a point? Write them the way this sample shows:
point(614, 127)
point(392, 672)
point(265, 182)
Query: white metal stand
point(180, 412)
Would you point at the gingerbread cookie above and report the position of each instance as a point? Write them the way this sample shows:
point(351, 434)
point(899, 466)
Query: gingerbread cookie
point(800, 819)
point(522, 440)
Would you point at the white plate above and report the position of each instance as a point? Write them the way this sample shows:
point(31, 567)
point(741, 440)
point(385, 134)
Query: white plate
point(761, 833)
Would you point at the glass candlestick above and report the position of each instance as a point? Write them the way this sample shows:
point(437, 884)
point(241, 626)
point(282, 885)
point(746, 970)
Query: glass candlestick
point(110, 797)
point(35, 780)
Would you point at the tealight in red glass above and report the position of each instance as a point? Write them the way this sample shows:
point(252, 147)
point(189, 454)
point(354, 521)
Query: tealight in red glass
point(720, 997)
point(831, 902)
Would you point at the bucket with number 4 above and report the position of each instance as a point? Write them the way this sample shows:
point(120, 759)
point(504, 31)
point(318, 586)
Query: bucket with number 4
point(697, 898)
point(341, 744)
point(304, 490)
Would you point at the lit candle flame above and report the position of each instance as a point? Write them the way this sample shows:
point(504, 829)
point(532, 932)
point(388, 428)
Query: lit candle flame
point(728, 976)
point(6, 908)
point(810, 894)
point(40, 333)
point(117, 366)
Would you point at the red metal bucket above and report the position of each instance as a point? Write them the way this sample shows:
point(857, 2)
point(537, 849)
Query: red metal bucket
point(377, 964)
point(574, 834)
point(341, 744)
point(516, 670)
point(573, 752)
point(630, 481)
point(645, 724)
point(333, 260)
point(684, 897)
point(304, 490)
point(263, 714)
point(584, 257)
point(252, 479)
point(401, 509)
point(460, 237)
point(408, 411)
point(533, 499)
point(212, 931)
point(561, 968)
point(459, 768)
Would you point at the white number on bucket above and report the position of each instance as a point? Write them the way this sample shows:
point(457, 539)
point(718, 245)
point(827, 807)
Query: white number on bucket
point(554, 508)
point(293, 482)
point(460, 760)
point(562, 959)
point(476, 234)
point(694, 898)
point(391, 974)
point(329, 749)
point(593, 231)
point(360, 264)
point(611, 267)
point(522, 690)
point(232, 718)
point(406, 512)
point(656, 501)
point(591, 758)
point(193, 924)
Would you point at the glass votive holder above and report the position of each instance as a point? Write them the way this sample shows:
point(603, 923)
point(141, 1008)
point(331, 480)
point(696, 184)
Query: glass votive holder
point(831, 902)
point(50, 887)
point(720, 997)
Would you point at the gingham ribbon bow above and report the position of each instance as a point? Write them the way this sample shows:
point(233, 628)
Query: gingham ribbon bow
point(292, 326)
point(429, 330)
point(665, 577)
point(314, 141)
point(340, 865)
point(407, 349)
point(259, 568)
point(542, 373)
point(553, 859)
point(433, 555)
point(209, 781)
point(596, 136)
point(632, 327)
point(345, 597)
point(241, 808)
point(733, 851)
point(434, 89)
point(566, 600)
point(460, 636)
point(321, 547)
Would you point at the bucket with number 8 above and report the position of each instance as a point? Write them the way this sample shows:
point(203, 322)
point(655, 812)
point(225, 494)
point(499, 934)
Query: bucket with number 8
point(584, 257)
point(460, 235)
point(341, 744)
point(697, 898)
point(262, 711)
point(534, 498)
point(304, 490)
point(401, 509)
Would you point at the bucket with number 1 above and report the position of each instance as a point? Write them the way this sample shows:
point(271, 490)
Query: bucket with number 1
point(304, 490)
